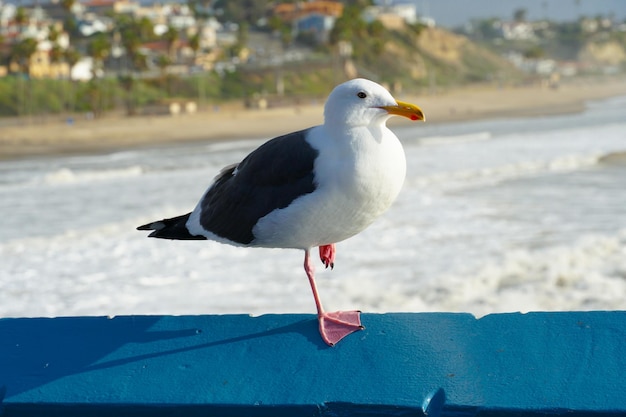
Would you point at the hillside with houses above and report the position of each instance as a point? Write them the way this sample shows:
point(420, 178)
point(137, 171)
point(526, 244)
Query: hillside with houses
point(101, 55)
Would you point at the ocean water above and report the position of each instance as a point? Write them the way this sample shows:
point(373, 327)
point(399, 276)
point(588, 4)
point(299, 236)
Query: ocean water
point(495, 216)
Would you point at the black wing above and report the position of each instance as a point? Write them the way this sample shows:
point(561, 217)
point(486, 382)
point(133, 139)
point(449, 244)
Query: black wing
point(270, 178)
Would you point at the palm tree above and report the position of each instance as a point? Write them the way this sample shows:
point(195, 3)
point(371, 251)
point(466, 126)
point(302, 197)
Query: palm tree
point(127, 82)
point(98, 49)
point(145, 28)
point(21, 17)
point(21, 53)
point(56, 52)
point(53, 34)
point(163, 61)
point(68, 5)
point(69, 23)
point(132, 33)
point(194, 44)
point(72, 56)
point(171, 37)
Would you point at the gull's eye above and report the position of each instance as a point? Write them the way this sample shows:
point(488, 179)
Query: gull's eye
point(361, 94)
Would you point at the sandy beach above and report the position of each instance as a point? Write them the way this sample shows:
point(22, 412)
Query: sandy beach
point(110, 133)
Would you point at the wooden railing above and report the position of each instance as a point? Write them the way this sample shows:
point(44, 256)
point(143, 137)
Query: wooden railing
point(436, 364)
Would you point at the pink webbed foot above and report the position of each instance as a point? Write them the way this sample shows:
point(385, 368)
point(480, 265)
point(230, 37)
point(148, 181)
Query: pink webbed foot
point(327, 255)
point(337, 325)
point(332, 326)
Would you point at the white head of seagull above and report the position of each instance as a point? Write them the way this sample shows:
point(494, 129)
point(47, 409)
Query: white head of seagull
point(315, 187)
point(361, 102)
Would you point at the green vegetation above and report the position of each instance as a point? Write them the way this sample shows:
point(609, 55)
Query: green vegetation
point(21, 96)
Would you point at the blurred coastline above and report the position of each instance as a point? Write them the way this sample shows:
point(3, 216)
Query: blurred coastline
point(55, 136)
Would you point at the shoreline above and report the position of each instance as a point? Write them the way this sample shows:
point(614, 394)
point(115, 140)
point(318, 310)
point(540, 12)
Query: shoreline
point(116, 133)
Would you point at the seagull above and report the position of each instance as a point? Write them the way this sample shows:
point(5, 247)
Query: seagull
point(306, 189)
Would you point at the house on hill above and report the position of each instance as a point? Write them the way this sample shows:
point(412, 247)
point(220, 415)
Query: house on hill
point(290, 12)
point(315, 18)
point(392, 16)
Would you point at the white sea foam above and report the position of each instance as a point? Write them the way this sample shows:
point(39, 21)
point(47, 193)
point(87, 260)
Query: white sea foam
point(590, 274)
point(233, 145)
point(447, 140)
point(495, 174)
point(115, 270)
point(67, 175)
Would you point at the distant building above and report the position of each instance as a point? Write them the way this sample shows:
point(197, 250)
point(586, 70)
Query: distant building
point(42, 66)
point(93, 23)
point(83, 70)
point(393, 16)
point(100, 7)
point(126, 7)
point(208, 33)
point(316, 18)
point(290, 12)
point(589, 25)
point(316, 24)
point(569, 68)
point(520, 31)
point(181, 17)
point(7, 12)
point(56, 12)
point(541, 66)
point(46, 61)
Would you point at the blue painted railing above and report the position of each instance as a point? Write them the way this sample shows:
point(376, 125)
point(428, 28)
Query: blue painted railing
point(435, 364)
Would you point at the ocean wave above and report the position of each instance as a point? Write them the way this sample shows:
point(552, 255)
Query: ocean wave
point(456, 139)
point(71, 176)
point(619, 101)
point(233, 145)
point(590, 274)
point(496, 174)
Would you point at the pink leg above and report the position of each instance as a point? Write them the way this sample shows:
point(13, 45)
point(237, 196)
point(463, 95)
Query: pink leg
point(327, 255)
point(333, 326)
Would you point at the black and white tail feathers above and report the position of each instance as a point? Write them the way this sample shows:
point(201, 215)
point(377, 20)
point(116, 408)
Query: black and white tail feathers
point(174, 228)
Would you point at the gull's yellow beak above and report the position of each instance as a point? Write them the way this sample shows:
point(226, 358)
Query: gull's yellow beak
point(408, 110)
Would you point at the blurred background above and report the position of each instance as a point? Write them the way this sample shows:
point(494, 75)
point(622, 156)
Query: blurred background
point(133, 57)
point(118, 112)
